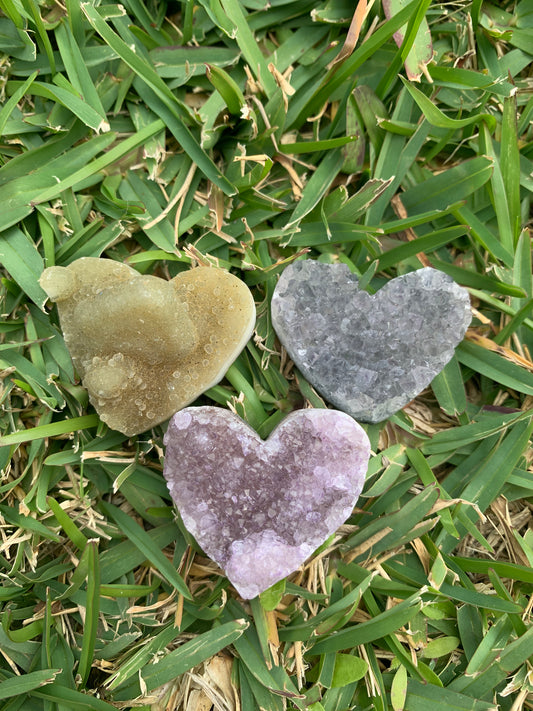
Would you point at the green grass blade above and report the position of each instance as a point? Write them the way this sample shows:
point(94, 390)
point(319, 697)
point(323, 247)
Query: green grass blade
point(70, 528)
point(426, 245)
point(72, 699)
point(244, 37)
point(437, 118)
point(449, 388)
point(457, 438)
point(515, 322)
point(449, 186)
point(19, 685)
point(380, 626)
point(497, 192)
point(192, 653)
point(421, 696)
point(92, 611)
point(484, 236)
point(77, 71)
point(53, 429)
point(144, 543)
point(313, 146)
point(507, 570)
point(415, 49)
point(510, 162)
point(467, 277)
point(22, 260)
point(32, 8)
point(496, 367)
point(315, 189)
point(487, 482)
point(355, 206)
point(13, 100)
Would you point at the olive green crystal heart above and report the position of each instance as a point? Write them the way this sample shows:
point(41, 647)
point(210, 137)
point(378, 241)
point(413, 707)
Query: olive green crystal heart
point(143, 346)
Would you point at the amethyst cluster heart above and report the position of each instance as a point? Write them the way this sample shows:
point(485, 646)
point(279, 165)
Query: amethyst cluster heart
point(259, 509)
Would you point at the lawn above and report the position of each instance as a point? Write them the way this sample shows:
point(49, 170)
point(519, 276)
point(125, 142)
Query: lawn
point(246, 134)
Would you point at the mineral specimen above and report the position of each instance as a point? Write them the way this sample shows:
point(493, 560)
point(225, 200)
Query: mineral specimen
point(368, 355)
point(259, 509)
point(146, 347)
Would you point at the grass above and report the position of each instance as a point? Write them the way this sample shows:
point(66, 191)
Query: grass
point(116, 141)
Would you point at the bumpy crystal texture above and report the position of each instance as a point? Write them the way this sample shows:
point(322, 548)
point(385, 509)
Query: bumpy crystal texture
point(368, 355)
point(259, 509)
point(146, 347)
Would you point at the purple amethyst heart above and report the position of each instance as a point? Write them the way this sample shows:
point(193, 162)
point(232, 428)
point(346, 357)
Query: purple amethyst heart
point(260, 508)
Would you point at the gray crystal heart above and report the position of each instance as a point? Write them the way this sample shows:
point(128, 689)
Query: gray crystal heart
point(368, 355)
point(259, 509)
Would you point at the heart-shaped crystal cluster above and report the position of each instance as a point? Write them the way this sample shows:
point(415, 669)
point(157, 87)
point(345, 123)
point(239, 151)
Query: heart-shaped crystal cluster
point(259, 509)
point(368, 355)
point(146, 347)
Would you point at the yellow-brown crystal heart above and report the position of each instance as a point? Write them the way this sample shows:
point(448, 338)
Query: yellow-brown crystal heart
point(146, 347)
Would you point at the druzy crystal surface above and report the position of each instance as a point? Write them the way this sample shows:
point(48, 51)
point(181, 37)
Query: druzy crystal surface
point(260, 508)
point(146, 347)
point(368, 355)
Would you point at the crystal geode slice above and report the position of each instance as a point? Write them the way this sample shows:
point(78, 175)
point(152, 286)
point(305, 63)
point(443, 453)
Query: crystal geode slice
point(146, 347)
point(259, 509)
point(368, 355)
